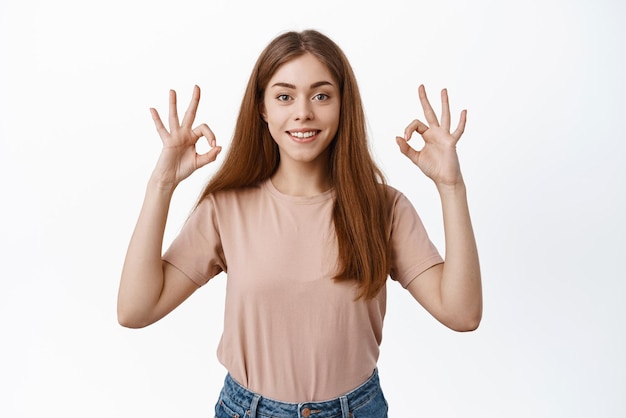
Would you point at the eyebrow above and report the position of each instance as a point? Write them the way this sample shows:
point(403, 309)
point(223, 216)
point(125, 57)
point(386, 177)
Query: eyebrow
point(312, 86)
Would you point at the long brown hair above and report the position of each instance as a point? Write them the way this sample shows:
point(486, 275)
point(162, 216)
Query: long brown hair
point(360, 211)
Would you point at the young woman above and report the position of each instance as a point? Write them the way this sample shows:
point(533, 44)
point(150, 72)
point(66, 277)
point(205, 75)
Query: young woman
point(301, 220)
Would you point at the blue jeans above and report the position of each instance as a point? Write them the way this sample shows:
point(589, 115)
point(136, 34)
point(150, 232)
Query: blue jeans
point(366, 401)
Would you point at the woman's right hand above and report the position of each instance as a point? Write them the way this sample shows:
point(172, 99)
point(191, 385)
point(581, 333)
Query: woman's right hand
point(179, 158)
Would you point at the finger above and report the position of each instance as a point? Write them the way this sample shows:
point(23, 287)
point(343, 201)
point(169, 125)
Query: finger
point(208, 157)
point(406, 149)
point(173, 119)
point(429, 113)
point(158, 123)
point(205, 131)
point(461, 126)
point(156, 118)
point(415, 126)
point(190, 114)
point(445, 110)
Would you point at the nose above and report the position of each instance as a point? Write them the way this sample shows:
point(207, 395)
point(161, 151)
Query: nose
point(303, 110)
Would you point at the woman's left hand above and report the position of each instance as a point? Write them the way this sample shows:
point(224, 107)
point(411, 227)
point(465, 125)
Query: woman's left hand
point(437, 158)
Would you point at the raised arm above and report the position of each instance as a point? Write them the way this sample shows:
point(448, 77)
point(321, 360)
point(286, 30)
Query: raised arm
point(149, 288)
point(452, 291)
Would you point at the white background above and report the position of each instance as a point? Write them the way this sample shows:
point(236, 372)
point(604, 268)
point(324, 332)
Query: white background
point(543, 82)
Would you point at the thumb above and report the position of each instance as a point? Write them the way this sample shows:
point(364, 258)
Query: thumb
point(208, 157)
point(406, 149)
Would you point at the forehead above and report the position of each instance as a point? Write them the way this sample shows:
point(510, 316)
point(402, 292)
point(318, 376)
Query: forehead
point(302, 71)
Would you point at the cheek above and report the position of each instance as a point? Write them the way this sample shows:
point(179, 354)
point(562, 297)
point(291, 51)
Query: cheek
point(333, 118)
point(274, 126)
point(275, 118)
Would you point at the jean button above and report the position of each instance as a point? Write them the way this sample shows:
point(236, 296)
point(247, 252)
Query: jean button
point(306, 412)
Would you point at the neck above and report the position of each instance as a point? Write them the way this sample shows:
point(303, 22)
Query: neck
point(301, 179)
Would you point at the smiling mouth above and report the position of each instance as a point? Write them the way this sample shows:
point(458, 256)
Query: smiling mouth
point(304, 136)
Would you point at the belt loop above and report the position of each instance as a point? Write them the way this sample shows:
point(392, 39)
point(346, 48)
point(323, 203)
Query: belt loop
point(345, 411)
point(254, 404)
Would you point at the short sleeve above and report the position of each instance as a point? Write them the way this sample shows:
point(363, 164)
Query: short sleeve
point(197, 249)
point(412, 252)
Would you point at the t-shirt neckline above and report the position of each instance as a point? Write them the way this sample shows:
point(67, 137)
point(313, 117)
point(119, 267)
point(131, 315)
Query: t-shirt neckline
point(301, 200)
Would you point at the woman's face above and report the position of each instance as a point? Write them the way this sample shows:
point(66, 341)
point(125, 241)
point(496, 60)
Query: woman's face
point(301, 107)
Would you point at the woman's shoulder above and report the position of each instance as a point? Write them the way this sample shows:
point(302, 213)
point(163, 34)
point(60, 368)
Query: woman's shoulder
point(389, 189)
point(393, 194)
point(233, 195)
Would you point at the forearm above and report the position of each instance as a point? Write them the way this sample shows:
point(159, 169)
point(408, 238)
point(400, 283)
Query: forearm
point(142, 279)
point(461, 289)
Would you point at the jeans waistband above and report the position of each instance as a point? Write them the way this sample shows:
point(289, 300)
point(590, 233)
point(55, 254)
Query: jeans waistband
point(257, 406)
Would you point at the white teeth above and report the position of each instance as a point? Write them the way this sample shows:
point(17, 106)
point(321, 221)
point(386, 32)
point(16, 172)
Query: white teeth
point(303, 134)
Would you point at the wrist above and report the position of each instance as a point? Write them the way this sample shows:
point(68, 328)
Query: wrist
point(160, 186)
point(451, 188)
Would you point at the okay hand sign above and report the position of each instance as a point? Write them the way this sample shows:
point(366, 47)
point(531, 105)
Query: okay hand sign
point(437, 158)
point(178, 157)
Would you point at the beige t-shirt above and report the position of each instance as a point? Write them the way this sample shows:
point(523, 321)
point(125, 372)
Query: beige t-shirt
point(292, 333)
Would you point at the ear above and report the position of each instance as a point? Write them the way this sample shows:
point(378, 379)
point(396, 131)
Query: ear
point(262, 112)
